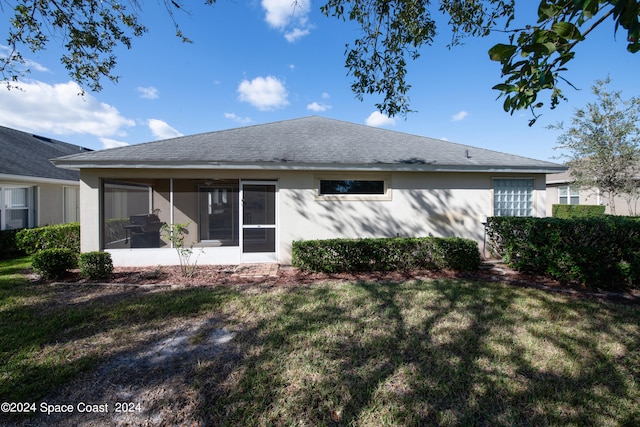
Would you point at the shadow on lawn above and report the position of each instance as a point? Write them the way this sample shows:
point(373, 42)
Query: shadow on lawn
point(449, 353)
point(55, 316)
point(443, 352)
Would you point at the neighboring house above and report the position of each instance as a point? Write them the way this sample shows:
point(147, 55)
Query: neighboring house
point(248, 193)
point(561, 190)
point(33, 191)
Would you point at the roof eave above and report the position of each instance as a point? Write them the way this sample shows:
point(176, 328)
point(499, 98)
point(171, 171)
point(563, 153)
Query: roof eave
point(376, 167)
point(36, 179)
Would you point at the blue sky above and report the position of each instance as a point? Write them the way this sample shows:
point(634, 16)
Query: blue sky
point(261, 61)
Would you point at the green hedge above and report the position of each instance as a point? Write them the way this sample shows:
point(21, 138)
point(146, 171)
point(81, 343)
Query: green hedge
point(600, 252)
point(54, 263)
point(577, 211)
point(95, 265)
point(66, 236)
point(8, 245)
point(351, 255)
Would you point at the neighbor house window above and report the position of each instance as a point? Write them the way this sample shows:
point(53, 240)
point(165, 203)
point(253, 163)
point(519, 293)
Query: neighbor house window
point(351, 187)
point(16, 207)
point(513, 197)
point(70, 203)
point(568, 195)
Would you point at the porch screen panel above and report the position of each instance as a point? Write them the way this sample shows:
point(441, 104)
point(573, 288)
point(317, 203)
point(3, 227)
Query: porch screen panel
point(124, 202)
point(219, 212)
point(513, 197)
point(259, 218)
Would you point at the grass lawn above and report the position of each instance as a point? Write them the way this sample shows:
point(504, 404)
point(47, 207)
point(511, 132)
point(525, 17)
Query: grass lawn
point(436, 352)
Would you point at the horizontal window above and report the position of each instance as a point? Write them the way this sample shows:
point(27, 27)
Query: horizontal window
point(351, 187)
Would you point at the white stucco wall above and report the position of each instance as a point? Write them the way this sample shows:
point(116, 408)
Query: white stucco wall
point(419, 204)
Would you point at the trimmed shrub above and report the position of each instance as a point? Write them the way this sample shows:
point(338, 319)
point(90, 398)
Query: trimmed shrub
point(66, 236)
point(600, 252)
point(386, 254)
point(576, 211)
point(95, 265)
point(54, 263)
point(8, 245)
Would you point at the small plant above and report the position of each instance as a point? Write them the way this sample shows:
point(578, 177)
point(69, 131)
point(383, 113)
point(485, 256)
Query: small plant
point(95, 265)
point(175, 233)
point(54, 263)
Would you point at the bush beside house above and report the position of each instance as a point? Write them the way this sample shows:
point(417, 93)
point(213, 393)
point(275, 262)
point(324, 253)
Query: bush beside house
point(66, 236)
point(8, 245)
point(602, 252)
point(56, 250)
point(95, 265)
point(54, 263)
point(390, 254)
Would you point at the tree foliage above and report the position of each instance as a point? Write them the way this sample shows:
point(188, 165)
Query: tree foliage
point(90, 31)
point(603, 144)
point(393, 33)
point(537, 55)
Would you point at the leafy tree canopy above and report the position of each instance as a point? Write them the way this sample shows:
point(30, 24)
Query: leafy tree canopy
point(393, 32)
point(602, 144)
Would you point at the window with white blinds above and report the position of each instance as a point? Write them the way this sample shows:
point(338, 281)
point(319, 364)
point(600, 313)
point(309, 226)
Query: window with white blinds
point(14, 207)
point(513, 197)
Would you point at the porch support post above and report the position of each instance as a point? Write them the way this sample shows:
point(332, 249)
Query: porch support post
point(171, 205)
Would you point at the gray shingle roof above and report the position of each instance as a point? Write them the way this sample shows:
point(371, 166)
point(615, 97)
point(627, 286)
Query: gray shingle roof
point(310, 142)
point(29, 155)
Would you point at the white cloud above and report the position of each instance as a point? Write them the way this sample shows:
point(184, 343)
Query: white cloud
point(264, 93)
point(148, 92)
point(315, 106)
point(59, 109)
point(161, 129)
point(378, 119)
point(281, 13)
point(296, 34)
point(290, 17)
point(459, 116)
point(236, 118)
point(112, 143)
point(325, 95)
point(5, 51)
point(33, 65)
